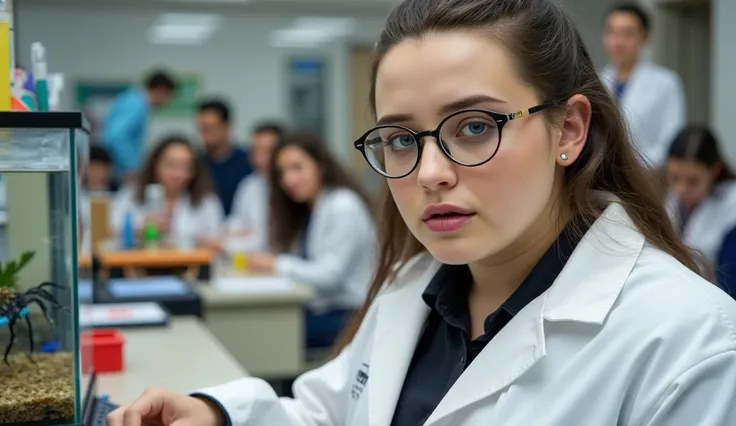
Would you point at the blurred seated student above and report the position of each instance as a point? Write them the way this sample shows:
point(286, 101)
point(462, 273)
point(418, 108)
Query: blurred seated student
point(321, 233)
point(191, 212)
point(228, 163)
point(99, 171)
point(249, 215)
point(702, 199)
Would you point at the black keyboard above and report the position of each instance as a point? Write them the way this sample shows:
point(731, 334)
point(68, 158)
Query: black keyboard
point(101, 409)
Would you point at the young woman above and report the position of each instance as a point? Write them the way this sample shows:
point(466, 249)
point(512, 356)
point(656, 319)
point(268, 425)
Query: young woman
point(191, 213)
point(528, 274)
point(702, 201)
point(321, 234)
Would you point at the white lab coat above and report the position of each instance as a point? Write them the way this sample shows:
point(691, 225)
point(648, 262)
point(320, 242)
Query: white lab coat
point(626, 335)
point(341, 252)
point(710, 222)
point(188, 222)
point(250, 210)
point(654, 106)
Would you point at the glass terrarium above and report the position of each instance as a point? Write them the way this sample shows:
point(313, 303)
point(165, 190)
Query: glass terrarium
point(40, 157)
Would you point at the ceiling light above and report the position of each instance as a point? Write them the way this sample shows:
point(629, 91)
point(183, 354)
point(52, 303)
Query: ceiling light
point(300, 37)
point(183, 28)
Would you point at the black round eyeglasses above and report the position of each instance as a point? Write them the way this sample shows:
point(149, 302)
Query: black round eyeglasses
point(470, 137)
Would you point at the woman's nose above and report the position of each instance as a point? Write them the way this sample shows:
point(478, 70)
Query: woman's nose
point(436, 170)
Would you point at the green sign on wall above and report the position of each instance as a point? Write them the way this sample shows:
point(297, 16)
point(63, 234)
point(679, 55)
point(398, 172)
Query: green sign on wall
point(185, 99)
point(103, 93)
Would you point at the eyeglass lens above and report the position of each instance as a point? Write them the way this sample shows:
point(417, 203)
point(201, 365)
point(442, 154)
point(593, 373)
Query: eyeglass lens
point(470, 138)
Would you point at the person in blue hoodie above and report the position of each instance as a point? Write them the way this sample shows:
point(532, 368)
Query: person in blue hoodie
point(125, 127)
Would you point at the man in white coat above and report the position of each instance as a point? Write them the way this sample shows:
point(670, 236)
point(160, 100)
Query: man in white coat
point(652, 97)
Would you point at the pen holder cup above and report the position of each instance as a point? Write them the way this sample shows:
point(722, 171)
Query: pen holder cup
point(102, 351)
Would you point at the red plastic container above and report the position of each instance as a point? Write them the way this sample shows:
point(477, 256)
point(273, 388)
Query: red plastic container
point(102, 350)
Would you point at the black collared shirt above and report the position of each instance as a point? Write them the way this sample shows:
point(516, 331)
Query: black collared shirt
point(446, 348)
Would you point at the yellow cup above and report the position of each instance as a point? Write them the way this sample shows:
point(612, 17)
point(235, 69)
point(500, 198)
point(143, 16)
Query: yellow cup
point(240, 261)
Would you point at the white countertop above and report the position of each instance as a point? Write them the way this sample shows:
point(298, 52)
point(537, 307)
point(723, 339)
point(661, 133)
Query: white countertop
point(182, 357)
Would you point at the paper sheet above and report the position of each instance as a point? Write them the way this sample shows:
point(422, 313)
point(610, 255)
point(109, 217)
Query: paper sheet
point(120, 314)
point(257, 285)
point(147, 287)
point(84, 289)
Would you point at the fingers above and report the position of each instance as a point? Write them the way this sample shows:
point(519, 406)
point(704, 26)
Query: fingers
point(149, 406)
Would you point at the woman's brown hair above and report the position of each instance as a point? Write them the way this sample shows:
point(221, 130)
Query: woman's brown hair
point(199, 186)
point(550, 55)
point(289, 217)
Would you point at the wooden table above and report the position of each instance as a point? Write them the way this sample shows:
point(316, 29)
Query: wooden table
point(134, 262)
point(263, 331)
point(159, 258)
point(182, 357)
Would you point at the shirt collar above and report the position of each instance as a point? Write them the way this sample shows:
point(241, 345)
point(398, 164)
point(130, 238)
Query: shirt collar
point(448, 290)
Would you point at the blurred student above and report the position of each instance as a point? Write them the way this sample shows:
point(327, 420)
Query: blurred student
point(250, 209)
point(125, 128)
point(191, 212)
point(702, 200)
point(652, 98)
point(228, 163)
point(99, 172)
point(321, 233)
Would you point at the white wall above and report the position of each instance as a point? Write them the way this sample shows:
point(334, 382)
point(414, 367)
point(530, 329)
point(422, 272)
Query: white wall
point(105, 43)
point(723, 87)
point(109, 43)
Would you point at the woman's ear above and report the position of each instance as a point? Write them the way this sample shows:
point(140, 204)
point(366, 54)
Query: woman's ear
point(716, 170)
point(574, 130)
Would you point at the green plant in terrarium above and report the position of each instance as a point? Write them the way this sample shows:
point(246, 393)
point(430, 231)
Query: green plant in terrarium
point(14, 304)
point(9, 270)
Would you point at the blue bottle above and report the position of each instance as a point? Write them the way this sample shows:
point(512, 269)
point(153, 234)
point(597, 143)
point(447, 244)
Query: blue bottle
point(128, 232)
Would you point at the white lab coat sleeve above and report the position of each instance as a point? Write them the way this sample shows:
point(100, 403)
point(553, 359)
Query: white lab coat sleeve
point(672, 119)
point(212, 217)
point(703, 395)
point(338, 245)
point(320, 398)
point(239, 217)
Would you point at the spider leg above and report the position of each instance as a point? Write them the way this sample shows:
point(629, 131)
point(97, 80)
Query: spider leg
point(52, 285)
point(30, 338)
point(48, 297)
point(40, 302)
point(11, 327)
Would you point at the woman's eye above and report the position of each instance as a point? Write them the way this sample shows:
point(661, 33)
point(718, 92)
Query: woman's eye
point(474, 129)
point(401, 141)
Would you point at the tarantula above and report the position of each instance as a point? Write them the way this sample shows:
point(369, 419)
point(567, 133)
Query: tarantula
point(12, 303)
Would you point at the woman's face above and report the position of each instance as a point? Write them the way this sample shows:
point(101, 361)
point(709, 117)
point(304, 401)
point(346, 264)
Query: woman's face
point(175, 168)
point(502, 200)
point(299, 174)
point(690, 181)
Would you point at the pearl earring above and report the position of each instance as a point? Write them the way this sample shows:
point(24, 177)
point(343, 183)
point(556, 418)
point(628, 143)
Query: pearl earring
point(563, 156)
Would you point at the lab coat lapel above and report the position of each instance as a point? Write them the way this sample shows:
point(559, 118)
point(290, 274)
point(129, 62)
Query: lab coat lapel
point(400, 317)
point(635, 87)
point(585, 291)
point(512, 352)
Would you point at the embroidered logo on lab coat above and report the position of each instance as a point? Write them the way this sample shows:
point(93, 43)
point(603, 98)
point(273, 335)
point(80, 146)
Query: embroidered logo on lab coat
point(361, 378)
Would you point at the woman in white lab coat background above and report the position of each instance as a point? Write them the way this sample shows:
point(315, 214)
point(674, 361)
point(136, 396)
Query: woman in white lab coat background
point(504, 152)
point(702, 200)
point(652, 97)
point(191, 213)
point(322, 234)
point(248, 221)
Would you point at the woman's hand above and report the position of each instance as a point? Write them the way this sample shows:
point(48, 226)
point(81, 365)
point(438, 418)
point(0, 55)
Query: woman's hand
point(214, 244)
point(162, 407)
point(261, 262)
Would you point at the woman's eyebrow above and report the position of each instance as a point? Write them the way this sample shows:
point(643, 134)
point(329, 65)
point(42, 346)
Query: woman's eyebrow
point(469, 102)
